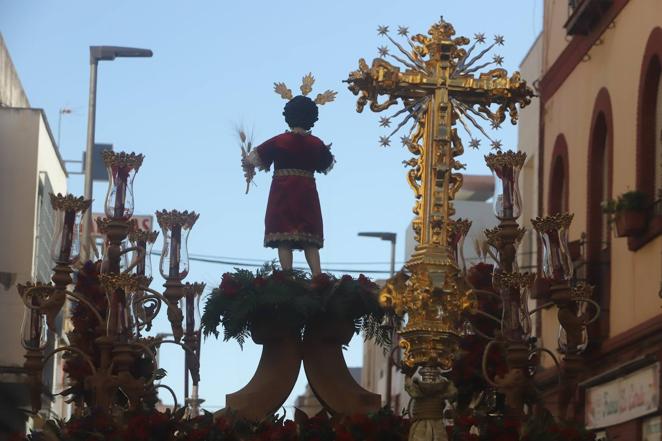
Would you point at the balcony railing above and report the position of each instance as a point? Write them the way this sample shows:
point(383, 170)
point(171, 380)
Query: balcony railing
point(584, 15)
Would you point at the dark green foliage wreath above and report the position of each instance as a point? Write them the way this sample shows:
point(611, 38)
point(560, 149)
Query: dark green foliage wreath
point(293, 298)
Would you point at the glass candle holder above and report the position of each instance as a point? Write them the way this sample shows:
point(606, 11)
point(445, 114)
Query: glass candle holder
point(580, 302)
point(176, 227)
point(506, 167)
point(69, 210)
point(145, 240)
point(524, 316)
point(493, 239)
point(33, 329)
point(120, 289)
point(191, 305)
point(514, 290)
point(580, 348)
point(553, 232)
point(122, 168)
point(458, 233)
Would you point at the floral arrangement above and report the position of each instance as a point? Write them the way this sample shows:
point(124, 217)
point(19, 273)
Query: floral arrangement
point(293, 298)
point(174, 426)
point(381, 426)
point(86, 329)
point(479, 408)
point(538, 427)
point(467, 373)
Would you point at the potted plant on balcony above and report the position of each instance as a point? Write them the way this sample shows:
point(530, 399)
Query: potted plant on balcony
point(628, 212)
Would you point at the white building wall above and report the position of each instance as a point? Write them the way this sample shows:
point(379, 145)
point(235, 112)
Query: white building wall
point(528, 134)
point(482, 217)
point(26, 151)
point(19, 136)
point(28, 157)
point(11, 90)
point(30, 168)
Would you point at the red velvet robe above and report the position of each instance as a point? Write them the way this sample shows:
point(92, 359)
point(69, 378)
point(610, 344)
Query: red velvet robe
point(294, 217)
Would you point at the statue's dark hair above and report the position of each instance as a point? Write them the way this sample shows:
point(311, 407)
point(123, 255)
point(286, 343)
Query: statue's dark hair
point(301, 111)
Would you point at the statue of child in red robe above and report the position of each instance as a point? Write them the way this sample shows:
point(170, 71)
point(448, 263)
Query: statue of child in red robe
point(294, 219)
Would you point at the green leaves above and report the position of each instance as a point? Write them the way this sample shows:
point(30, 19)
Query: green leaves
point(628, 201)
point(292, 298)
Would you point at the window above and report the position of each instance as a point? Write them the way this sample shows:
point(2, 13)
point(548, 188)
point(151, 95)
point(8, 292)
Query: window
point(649, 139)
point(658, 136)
point(558, 185)
point(599, 186)
point(598, 234)
point(585, 15)
point(45, 231)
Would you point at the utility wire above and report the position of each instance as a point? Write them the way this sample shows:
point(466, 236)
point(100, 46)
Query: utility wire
point(248, 259)
point(257, 265)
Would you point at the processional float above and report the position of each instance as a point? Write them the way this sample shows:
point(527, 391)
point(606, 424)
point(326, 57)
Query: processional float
point(437, 88)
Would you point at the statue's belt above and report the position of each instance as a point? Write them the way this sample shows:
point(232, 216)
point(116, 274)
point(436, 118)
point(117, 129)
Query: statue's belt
point(293, 172)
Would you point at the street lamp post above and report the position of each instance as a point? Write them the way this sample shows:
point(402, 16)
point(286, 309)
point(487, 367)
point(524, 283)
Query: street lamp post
point(97, 53)
point(63, 111)
point(390, 237)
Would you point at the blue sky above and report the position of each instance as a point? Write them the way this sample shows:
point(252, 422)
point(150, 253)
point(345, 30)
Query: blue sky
point(213, 68)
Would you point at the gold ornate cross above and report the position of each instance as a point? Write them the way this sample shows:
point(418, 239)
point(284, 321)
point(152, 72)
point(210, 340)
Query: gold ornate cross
point(436, 88)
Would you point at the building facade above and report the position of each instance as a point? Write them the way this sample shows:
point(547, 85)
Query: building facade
point(30, 169)
point(600, 136)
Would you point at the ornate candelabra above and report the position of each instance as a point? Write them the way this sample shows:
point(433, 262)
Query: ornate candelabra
point(436, 88)
point(113, 362)
point(572, 300)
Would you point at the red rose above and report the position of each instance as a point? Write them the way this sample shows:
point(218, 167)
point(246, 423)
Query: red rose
point(260, 282)
point(512, 423)
point(342, 434)
point(465, 420)
point(197, 435)
point(480, 276)
point(280, 276)
point(222, 424)
point(320, 282)
point(541, 288)
point(346, 278)
point(229, 285)
point(365, 282)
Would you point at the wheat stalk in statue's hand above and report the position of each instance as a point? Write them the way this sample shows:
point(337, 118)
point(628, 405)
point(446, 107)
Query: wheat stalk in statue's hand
point(246, 144)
